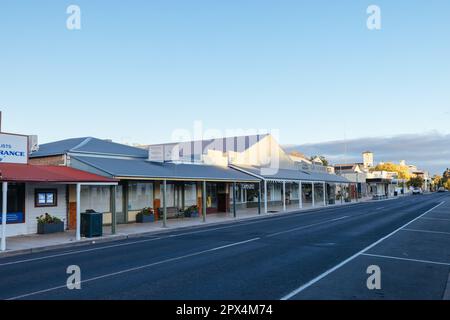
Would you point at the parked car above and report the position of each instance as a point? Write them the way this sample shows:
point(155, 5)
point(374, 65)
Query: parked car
point(417, 191)
point(442, 189)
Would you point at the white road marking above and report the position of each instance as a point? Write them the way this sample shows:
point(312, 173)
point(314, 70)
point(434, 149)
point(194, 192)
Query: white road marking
point(326, 273)
point(405, 259)
point(233, 225)
point(426, 231)
point(442, 219)
point(77, 251)
point(136, 268)
point(305, 227)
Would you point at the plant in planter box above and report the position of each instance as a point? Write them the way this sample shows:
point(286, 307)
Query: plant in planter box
point(191, 212)
point(145, 215)
point(49, 224)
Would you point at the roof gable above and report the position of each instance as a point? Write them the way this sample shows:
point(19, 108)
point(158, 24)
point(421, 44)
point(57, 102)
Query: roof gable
point(88, 145)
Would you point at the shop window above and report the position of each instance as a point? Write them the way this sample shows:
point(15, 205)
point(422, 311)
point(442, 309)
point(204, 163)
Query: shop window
point(46, 198)
point(140, 195)
point(97, 198)
point(190, 194)
point(211, 195)
point(16, 203)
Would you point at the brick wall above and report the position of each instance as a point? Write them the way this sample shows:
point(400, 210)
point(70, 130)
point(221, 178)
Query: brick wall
point(49, 161)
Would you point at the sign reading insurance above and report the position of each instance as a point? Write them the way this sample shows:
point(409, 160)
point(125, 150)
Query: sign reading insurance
point(13, 148)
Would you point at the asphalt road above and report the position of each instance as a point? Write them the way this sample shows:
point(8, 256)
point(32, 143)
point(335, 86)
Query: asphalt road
point(306, 255)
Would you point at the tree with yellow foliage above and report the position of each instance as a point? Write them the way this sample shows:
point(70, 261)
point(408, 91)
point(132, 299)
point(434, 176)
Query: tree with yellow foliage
point(447, 185)
point(402, 171)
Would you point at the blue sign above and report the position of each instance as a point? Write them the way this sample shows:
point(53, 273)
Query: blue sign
point(13, 217)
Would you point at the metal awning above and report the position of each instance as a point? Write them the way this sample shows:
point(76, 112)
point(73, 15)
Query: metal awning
point(12, 172)
point(139, 169)
point(272, 174)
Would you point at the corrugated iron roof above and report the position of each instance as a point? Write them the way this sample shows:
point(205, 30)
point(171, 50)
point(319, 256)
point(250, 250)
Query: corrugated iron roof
point(33, 173)
point(139, 168)
point(88, 145)
point(290, 174)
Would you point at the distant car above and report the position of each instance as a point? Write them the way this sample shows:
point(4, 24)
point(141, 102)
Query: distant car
point(442, 189)
point(417, 191)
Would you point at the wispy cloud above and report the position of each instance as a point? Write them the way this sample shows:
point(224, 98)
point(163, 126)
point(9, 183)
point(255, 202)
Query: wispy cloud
point(429, 151)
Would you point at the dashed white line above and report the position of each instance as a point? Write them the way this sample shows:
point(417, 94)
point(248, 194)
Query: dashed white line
point(305, 227)
point(441, 219)
point(233, 225)
point(338, 266)
point(426, 231)
point(405, 259)
point(135, 268)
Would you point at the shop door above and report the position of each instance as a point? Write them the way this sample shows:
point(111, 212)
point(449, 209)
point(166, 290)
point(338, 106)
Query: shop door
point(222, 200)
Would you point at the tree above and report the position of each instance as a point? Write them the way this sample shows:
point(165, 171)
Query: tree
point(445, 179)
point(446, 185)
point(402, 171)
point(437, 181)
point(416, 182)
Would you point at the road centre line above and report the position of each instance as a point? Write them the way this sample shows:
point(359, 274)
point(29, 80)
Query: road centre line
point(233, 225)
point(305, 227)
point(108, 275)
point(426, 231)
point(341, 264)
point(442, 219)
point(405, 259)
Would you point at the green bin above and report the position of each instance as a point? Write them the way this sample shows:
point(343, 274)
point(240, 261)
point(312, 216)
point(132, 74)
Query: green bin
point(91, 224)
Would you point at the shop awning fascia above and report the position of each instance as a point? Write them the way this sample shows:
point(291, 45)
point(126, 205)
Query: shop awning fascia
point(23, 173)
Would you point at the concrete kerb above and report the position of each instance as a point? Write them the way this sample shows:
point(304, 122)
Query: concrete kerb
point(124, 236)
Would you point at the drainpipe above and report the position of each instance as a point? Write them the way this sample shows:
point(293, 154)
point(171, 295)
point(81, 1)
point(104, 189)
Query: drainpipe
point(204, 201)
point(164, 203)
point(234, 199)
point(265, 196)
point(259, 197)
point(4, 211)
point(300, 195)
point(113, 210)
point(313, 195)
point(78, 232)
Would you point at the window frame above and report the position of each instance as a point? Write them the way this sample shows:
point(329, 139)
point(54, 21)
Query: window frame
point(46, 192)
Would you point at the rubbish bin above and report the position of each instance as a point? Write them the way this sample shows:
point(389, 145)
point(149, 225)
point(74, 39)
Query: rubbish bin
point(91, 224)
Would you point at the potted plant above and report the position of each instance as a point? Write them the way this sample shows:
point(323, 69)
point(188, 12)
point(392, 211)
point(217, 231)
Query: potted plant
point(145, 215)
point(49, 224)
point(191, 212)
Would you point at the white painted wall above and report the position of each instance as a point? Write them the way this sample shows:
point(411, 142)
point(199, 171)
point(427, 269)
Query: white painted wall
point(31, 212)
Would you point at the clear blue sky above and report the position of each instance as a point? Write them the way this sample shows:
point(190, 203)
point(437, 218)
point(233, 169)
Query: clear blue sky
point(137, 70)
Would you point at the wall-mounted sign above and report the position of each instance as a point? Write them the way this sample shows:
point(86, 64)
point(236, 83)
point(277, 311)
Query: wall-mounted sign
point(13, 217)
point(247, 186)
point(13, 148)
